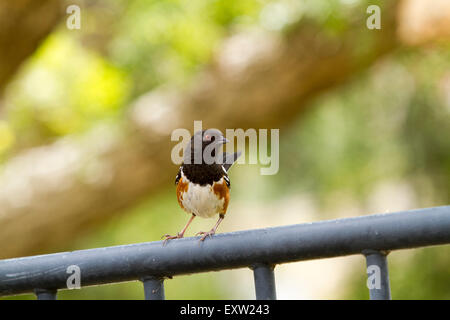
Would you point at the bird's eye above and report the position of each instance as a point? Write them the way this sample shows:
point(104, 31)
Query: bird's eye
point(208, 137)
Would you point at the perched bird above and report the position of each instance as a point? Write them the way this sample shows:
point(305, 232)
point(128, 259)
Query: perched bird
point(202, 183)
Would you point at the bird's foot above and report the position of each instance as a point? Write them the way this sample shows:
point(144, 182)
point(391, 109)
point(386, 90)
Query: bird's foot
point(169, 237)
point(204, 234)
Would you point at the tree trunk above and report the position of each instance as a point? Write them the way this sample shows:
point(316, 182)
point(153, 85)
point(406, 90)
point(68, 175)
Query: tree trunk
point(23, 25)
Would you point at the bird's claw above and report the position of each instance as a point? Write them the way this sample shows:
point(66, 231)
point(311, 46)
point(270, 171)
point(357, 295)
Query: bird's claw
point(169, 237)
point(205, 234)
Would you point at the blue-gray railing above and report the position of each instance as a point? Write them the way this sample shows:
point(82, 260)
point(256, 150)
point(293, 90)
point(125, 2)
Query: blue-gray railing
point(261, 250)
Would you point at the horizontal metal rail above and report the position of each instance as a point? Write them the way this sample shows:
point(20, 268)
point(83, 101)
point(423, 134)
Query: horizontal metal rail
point(259, 249)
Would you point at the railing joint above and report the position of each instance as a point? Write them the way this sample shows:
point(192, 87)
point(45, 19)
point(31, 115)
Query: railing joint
point(264, 279)
point(153, 287)
point(45, 294)
point(367, 252)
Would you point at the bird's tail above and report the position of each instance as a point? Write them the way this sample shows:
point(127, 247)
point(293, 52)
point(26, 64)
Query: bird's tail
point(229, 159)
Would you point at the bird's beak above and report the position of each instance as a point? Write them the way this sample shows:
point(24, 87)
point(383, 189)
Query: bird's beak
point(224, 140)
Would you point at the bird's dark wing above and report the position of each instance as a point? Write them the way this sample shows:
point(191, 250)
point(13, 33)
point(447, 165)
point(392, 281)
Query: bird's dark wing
point(229, 159)
point(227, 180)
point(178, 177)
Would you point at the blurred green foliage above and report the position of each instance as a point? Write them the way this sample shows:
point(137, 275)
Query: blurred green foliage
point(126, 48)
point(392, 122)
point(64, 89)
point(72, 82)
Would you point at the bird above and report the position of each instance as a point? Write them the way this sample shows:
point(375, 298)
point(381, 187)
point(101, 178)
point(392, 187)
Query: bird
point(202, 182)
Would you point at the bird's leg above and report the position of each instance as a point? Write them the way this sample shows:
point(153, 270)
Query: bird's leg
point(179, 234)
point(211, 232)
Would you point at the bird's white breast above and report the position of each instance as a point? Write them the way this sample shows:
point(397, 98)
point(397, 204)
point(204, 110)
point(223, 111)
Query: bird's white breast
point(202, 201)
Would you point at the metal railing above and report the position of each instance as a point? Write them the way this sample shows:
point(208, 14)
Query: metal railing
point(261, 250)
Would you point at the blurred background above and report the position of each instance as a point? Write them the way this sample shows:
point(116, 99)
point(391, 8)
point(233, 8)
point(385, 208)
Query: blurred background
point(86, 116)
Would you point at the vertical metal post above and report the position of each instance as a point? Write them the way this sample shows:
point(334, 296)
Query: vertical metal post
point(45, 294)
point(264, 281)
point(153, 288)
point(377, 275)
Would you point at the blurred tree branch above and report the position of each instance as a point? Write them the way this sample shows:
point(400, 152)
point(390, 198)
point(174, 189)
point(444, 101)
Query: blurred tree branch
point(50, 194)
point(23, 25)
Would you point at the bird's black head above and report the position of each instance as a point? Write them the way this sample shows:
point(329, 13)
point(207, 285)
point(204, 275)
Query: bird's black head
point(204, 146)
